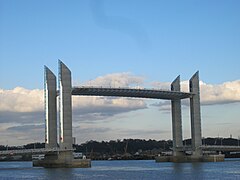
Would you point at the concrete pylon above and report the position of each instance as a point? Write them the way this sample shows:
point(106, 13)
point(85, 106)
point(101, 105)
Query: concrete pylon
point(63, 158)
point(65, 106)
point(50, 109)
point(195, 115)
point(176, 120)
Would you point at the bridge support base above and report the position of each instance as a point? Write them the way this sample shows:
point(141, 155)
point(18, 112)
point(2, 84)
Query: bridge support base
point(186, 159)
point(62, 160)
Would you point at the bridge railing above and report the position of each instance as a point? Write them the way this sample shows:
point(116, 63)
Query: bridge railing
point(126, 87)
point(33, 151)
point(220, 148)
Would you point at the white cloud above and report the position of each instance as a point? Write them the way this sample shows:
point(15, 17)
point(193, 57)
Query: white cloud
point(20, 99)
point(161, 85)
point(22, 107)
point(124, 79)
point(23, 100)
point(210, 94)
point(84, 102)
point(228, 92)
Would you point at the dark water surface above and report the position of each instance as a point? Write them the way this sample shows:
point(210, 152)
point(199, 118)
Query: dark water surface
point(230, 169)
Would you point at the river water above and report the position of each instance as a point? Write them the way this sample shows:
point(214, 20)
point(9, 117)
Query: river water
point(230, 169)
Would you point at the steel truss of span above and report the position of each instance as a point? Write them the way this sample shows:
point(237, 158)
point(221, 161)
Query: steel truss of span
point(128, 92)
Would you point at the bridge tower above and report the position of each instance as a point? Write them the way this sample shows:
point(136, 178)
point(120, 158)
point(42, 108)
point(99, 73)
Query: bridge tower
point(50, 108)
point(63, 157)
point(195, 115)
point(176, 121)
point(65, 106)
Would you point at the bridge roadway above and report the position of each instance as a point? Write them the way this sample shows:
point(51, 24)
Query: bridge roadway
point(130, 92)
point(47, 150)
point(33, 151)
point(212, 148)
point(220, 148)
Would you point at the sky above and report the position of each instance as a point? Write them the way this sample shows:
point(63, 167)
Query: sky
point(127, 43)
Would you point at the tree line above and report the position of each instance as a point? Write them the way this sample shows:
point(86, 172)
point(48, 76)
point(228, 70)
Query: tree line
point(127, 145)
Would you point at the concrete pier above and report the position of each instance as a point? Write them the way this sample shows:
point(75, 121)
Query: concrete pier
point(197, 155)
point(50, 108)
point(65, 106)
point(63, 157)
point(188, 159)
point(62, 160)
point(176, 120)
point(195, 115)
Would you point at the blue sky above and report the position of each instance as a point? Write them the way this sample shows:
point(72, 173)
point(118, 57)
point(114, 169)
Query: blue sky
point(155, 40)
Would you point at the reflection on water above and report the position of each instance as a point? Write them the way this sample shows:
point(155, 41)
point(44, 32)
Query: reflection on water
point(125, 170)
point(66, 173)
point(183, 170)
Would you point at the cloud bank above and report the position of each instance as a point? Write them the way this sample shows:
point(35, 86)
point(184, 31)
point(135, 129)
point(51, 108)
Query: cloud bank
point(228, 92)
point(22, 109)
point(21, 100)
point(23, 104)
point(210, 94)
point(124, 79)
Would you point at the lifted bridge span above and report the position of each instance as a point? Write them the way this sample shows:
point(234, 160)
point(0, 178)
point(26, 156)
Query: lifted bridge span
point(130, 92)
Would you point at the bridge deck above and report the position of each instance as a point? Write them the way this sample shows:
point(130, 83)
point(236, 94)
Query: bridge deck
point(212, 148)
point(127, 92)
point(32, 151)
point(46, 150)
point(220, 148)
